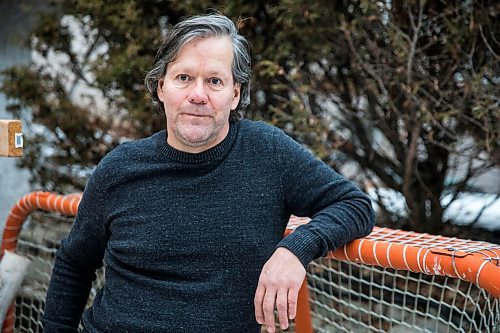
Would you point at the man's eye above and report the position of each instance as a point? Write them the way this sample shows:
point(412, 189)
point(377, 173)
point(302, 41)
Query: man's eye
point(183, 77)
point(215, 81)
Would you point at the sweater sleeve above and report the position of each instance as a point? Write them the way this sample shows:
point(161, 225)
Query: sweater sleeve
point(340, 212)
point(77, 259)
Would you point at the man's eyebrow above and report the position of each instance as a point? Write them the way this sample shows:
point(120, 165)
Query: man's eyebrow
point(213, 72)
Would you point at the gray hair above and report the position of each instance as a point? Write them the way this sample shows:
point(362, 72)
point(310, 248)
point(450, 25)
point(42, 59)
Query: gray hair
point(210, 25)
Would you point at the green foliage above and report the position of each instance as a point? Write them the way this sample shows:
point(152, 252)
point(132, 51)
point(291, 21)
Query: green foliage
point(393, 86)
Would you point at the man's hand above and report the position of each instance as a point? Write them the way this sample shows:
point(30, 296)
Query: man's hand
point(279, 284)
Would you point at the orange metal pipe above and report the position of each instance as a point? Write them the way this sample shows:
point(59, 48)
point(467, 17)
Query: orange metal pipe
point(50, 202)
point(472, 261)
point(303, 321)
point(476, 267)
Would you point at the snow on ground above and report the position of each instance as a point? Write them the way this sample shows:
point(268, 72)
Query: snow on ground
point(462, 211)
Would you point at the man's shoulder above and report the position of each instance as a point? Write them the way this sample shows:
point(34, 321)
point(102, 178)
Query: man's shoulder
point(261, 132)
point(259, 129)
point(133, 148)
point(128, 153)
point(125, 159)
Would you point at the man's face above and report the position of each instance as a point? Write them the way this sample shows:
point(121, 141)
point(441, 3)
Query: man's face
point(198, 94)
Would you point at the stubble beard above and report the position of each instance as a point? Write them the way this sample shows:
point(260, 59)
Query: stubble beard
point(198, 135)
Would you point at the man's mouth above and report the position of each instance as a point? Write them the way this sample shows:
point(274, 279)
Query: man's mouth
point(197, 115)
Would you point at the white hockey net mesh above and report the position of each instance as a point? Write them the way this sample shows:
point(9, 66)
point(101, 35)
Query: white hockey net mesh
point(350, 297)
point(39, 241)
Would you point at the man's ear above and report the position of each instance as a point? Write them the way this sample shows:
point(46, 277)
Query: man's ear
point(236, 96)
point(159, 89)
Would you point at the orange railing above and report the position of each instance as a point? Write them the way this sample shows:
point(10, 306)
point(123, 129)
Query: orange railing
point(476, 262)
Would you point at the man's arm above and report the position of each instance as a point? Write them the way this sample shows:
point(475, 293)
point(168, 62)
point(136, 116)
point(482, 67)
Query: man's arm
point(77, 259)
point(339, 211)
point(67, 295)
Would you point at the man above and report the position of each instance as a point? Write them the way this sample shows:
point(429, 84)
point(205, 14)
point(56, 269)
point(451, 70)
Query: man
point(190, 221)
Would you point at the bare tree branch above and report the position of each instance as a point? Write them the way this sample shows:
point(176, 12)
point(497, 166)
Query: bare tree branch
point(365, 66)
point(78, 68)
point(497, 57)
point(409, 161)
point(413, 45)
point(471, 173)
point(483, 209)
point(459, 187)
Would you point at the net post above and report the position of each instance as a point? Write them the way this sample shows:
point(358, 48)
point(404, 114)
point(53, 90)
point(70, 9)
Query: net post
point(303, 322)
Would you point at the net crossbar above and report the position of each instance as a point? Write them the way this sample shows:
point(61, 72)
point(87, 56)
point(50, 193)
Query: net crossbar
point(390, 281)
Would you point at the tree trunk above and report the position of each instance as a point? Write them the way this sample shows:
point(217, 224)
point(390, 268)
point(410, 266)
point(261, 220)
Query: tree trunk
point(426, 213)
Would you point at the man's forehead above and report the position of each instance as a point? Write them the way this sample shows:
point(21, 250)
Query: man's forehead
point(218, 50)
point(187, 68)
point(213, 43)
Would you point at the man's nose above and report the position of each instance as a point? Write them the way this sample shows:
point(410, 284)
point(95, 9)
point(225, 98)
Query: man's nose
point(198, 94)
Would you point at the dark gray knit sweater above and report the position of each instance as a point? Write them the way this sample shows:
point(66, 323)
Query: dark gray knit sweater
point(184, 236)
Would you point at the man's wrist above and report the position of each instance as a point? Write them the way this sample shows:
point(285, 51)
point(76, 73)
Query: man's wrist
point(303, 245)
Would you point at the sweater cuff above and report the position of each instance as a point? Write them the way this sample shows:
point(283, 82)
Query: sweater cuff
point(303, 244)
point(50, 326)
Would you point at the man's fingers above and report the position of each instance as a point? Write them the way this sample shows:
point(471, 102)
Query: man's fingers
point(268, 309)
point(282, 306)
point(293, 294)
point(279, 283)
point(259, 298)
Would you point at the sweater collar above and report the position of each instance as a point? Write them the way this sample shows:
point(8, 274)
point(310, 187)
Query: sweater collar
point(205, 156)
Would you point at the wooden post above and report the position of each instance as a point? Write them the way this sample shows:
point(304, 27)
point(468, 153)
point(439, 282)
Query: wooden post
point(11, 138)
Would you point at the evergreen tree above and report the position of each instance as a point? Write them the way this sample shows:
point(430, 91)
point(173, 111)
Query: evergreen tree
point(404, 89)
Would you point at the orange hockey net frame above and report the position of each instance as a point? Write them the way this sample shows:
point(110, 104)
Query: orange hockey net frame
point(389, 281)
point(48, 202)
